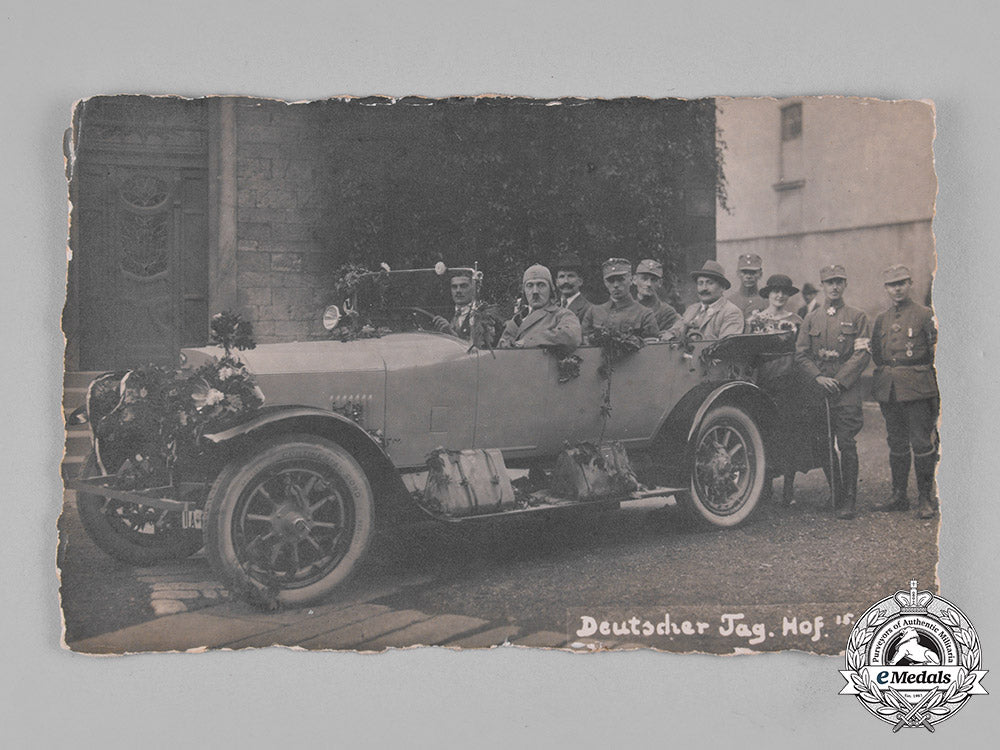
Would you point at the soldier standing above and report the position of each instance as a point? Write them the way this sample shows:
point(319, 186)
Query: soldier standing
point(747, 297)
point(905, 386)
point(621, 313)
point(648, 282)
point(833, 348)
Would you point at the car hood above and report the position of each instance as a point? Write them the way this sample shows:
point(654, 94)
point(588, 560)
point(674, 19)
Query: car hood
point(392, 352)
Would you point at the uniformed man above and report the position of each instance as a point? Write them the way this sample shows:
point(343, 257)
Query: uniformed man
point(905, 386)
point(747, 297)
point(713, 316)
point(546, 324)
point(833, 348)
point(648, 282)
point(621, 313)
point(569, 282)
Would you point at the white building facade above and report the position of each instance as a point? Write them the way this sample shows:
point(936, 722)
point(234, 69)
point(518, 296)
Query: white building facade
point(814, 181)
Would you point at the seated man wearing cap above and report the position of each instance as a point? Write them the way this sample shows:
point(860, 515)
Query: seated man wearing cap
point(621, 313)
point(546, 324)
point(713, 316)
point(569, 281)
point(648, 282)
point(905, 386)
point(747, 297)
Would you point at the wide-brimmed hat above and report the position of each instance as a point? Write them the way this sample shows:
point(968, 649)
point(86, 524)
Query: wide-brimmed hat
point(712, 270)
point(779, 281)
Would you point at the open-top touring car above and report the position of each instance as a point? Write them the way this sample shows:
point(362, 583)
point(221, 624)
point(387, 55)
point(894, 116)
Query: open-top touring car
point(286, 497)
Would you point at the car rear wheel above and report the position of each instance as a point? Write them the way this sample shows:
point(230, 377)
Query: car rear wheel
point(292, 523)
point(135, 534)
point(728, 471)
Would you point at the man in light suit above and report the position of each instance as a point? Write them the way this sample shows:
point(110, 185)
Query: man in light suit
point(546, 324)
point(713, 316)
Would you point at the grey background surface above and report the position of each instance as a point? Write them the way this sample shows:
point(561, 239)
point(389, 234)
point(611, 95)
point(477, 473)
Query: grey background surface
point(54, 53)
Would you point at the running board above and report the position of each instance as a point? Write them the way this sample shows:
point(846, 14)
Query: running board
point(550, 502)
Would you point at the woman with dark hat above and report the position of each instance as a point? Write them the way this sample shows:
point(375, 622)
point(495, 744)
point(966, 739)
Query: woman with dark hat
point(776, 374)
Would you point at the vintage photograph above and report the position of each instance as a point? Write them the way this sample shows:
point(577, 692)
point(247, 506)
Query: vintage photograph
point(371, 373)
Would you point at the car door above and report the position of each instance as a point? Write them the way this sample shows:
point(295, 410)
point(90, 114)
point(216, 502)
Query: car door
point(524, 410)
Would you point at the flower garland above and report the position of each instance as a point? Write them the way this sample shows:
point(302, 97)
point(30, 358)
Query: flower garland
point(615, 345)
point(157, 414)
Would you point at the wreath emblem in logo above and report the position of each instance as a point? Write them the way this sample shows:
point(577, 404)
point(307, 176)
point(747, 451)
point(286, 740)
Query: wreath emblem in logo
point(913, 660)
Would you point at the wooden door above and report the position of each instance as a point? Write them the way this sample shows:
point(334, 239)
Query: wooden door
point(141, 234)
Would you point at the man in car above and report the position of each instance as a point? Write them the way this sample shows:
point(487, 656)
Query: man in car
point(747, 297)
point(463, 320)
point(621, 313)
point(713, 316)
point(546, 324)
point(569, 282)
point(905, 386)
point(833, 349)
point(648, 282)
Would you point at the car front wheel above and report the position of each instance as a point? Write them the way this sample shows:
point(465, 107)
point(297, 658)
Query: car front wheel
point(292, 523)
point(728, 471)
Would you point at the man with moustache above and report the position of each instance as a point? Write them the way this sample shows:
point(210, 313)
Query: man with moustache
point(648, 282)
point(569, 282)
point(747, 297)
point(833, 349)
point(905, 386)
point(546, 324)
point(621, 313)
point(713, 316)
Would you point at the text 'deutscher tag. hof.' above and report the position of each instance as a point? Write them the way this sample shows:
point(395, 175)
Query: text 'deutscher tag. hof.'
point(726, 629)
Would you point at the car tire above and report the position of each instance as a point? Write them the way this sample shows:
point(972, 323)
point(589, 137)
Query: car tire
point(126, 531)
point(290, 524)
point(728, 469)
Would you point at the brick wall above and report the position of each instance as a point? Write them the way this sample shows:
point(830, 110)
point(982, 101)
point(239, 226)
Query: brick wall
point(502, 183)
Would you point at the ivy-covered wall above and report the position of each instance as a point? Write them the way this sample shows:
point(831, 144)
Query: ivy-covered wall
point(499, 182)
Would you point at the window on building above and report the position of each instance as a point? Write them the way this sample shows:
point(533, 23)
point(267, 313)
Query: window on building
point(791, 122)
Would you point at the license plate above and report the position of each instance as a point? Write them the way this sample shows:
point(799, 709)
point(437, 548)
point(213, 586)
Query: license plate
point(191, 519)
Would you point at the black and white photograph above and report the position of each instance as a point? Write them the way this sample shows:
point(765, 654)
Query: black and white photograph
point(462, 374)
point(368, 373)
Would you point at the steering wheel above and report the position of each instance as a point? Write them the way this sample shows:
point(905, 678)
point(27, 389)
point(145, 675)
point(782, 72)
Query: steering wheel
point(425, 313)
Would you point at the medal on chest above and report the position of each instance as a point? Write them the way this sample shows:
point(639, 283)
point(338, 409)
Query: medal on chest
point(831, 311)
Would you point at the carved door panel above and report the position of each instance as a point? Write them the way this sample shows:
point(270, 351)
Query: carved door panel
point(142, 242)
point(140, 230)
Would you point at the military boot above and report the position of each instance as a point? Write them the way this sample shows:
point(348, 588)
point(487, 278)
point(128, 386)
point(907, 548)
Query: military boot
point(836, 487)
point(849, 474)
point(923, 467)
point(899, 465)
point(788, 490)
